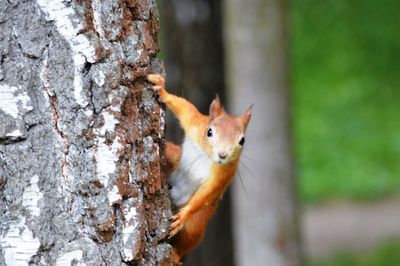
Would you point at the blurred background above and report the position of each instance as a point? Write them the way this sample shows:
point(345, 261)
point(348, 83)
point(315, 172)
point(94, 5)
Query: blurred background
point(319, 181)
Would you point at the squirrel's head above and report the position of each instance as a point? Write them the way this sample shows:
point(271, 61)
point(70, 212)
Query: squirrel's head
point(225, 134)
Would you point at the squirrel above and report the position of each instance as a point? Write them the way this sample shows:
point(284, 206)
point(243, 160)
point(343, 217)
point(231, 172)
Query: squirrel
point(200, 171)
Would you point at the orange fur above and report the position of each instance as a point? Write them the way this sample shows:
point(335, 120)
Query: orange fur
point(189, 223)
point(193, 231)
point(173, 155)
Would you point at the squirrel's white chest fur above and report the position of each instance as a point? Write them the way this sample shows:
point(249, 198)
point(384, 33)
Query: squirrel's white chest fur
point(194, 167)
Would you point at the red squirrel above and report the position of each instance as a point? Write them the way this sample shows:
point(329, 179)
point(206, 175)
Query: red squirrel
point(200, 170)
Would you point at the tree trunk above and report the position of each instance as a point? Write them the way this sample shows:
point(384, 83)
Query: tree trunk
point(81, 134)
point(194, 63)
point(191, 29)
point(265, 222)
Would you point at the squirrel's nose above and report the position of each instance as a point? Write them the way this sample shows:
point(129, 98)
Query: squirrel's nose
point(222, 155)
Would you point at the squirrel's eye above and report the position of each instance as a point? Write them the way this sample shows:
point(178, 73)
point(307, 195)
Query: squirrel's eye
point(241, 142)
point(209, 132)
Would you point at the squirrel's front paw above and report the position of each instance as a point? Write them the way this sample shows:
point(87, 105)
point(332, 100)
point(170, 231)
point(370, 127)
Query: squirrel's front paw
point(158, 87)
point(156, 79)
point(177, 223)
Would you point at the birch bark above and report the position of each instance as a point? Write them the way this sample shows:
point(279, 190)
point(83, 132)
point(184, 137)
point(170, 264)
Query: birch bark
point(81, 135)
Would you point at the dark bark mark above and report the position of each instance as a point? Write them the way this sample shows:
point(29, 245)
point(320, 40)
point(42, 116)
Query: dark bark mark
point(54, 112)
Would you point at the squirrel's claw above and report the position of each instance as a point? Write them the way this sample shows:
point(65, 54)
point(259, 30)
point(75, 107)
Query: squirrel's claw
point(175, 217)
point(159, 86)
point(177, 223)
point(157, 79)
point(175, 229)
point(158, 91)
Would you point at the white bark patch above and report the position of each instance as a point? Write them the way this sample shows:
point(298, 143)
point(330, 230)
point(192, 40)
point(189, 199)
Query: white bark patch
point(139, 52)
point(130, 233)
point(99, 78)
point(72, 256)
point(96, 7)
point(113, 195)
point(109, 123)
point(44, 72)
point(106, 159)
point(31, 196)
point(44, 77)
point(162, 122)
point(69, 25)
point(106, 154)
point(18, 244)
point(12, 102)
point(14, 134)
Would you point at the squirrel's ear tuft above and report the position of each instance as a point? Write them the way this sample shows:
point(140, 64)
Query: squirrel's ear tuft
point(216, 108)
point(245, 118)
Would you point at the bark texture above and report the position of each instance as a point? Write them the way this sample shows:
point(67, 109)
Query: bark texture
point(265, 222)
point(195, 66)
point(81, 134)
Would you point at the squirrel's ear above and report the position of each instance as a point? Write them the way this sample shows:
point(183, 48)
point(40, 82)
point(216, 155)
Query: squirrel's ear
point(245, 118)
point(216, 108)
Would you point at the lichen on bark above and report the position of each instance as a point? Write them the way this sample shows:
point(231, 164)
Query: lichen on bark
point(81, 135)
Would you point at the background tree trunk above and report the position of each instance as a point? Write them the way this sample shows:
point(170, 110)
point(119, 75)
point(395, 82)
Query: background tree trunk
point(194, 63)
point(80, 134)
point(265, 223)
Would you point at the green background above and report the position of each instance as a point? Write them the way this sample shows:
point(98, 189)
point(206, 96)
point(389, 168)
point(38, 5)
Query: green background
point(345, 58)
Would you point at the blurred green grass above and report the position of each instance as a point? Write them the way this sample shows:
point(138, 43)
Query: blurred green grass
point(345, 59)
point(384, 255)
